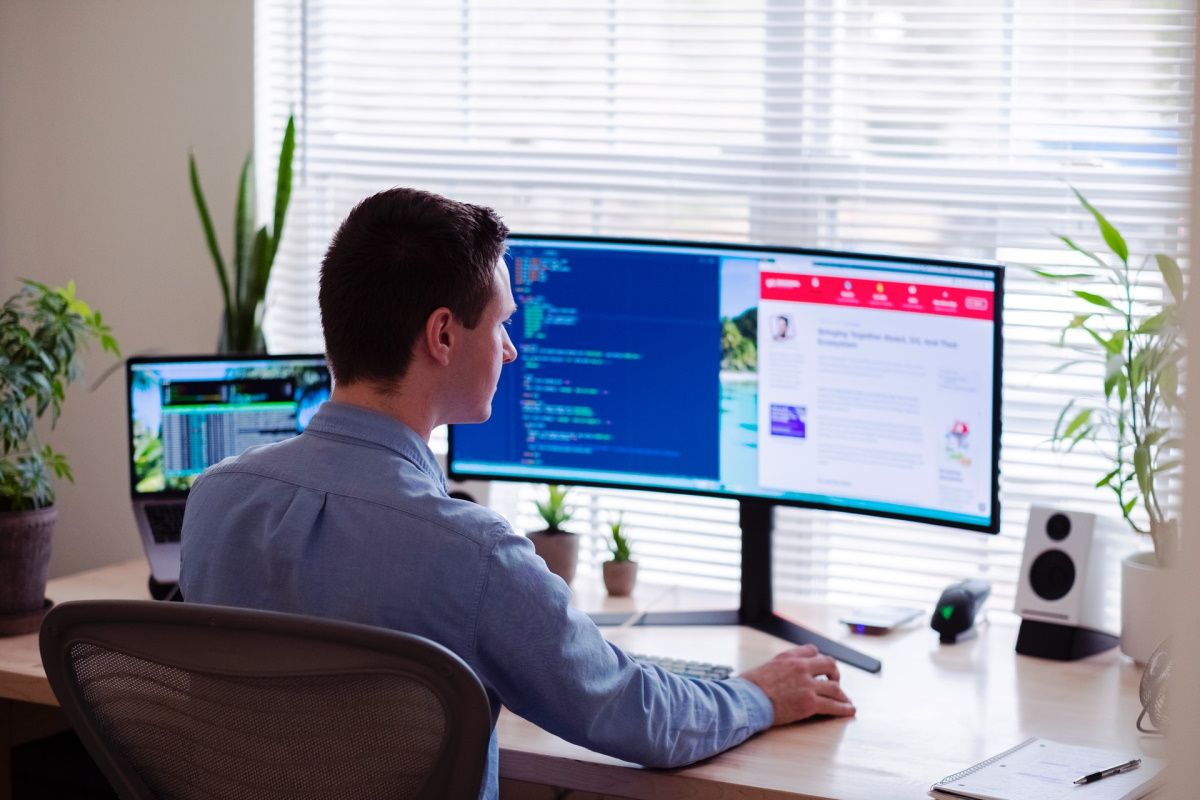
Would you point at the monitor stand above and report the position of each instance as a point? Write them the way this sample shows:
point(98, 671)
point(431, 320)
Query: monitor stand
point(756, 518)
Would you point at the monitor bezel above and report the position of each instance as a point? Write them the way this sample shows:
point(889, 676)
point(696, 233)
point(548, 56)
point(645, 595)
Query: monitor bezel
point(996, 270)
point(132, 361)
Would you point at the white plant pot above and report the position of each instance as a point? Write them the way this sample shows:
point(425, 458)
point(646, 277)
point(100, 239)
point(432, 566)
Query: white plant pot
point(1145, 605)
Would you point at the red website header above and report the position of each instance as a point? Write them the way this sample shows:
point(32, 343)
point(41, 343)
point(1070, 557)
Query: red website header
point(916, 298)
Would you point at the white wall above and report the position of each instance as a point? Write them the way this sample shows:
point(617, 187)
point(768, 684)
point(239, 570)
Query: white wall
point(99, 102)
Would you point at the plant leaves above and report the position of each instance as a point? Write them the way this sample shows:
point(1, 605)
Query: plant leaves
point(1071, 244)
point(1168, 384)
point(283, 186)
point(1095, 299)
point(1152, 324)
point(243, 234)
point(1141, 467)
point(210, 235)
point(1167, 466)
point(1051, 276)
point(1171, 275)
point(1080, 435)
point(1080, 419)
point(1056, 436)
point(1107, 478)
point(1112, 237)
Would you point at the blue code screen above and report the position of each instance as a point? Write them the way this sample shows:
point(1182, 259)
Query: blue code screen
point(593, 332)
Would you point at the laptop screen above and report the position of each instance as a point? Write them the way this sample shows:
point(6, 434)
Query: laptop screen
point(186, 413)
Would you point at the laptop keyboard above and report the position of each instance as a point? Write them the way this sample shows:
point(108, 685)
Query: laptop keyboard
point(688, 669)
point(166, 521)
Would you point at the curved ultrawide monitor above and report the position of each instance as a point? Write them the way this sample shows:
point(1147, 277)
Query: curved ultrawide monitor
point(854, 382)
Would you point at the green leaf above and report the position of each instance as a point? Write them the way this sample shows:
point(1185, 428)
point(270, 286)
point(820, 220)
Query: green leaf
point(243, 233)
point(1095, 300)
point(1154, 435)
point(1107, 478)
point(1152, 324)
point(1056, 436)
point(1128, 507)
point(1068, 276)
point(1080, 435)
point(1168, 384)
point(1141, 466)
point(1082, 418)
point(1167, 466)
point(1112, 237)
point(210, 234)
point(1171, 275)
point(283, 187)
point(1071, 244)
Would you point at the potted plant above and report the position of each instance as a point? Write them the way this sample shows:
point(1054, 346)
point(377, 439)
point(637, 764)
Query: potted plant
point(557, 547)
point(1137, 342)
point(620, 573)
point(40, 331)
point(253, 252)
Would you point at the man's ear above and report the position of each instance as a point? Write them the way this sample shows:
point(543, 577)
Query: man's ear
point(440, 333)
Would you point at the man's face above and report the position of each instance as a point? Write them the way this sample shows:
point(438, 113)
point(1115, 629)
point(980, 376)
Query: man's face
point(483, 351)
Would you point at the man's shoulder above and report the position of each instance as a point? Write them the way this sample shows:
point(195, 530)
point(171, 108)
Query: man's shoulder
point(405, 491)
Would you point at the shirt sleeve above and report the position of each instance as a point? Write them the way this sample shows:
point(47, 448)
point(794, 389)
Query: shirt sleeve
point(549, 664)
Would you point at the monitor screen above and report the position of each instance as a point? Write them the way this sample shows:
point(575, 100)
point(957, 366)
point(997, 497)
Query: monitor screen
point(846, 381)
point(186, 413)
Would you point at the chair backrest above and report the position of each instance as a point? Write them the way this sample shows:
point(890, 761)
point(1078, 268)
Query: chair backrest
point(188, 701)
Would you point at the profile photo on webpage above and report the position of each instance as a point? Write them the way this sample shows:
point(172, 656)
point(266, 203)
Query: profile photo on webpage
point(782, 327)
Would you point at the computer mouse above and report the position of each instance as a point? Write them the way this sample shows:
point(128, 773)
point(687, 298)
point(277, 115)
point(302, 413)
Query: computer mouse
point(957, 608)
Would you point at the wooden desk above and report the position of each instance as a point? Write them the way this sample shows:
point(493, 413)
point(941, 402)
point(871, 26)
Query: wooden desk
point(930, 712)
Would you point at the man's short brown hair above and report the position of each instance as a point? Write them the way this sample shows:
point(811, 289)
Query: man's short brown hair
point(396, 258)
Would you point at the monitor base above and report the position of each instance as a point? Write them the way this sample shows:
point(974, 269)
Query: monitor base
point(772, 624)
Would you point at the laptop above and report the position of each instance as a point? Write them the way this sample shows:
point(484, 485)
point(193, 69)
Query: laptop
point(186, 413)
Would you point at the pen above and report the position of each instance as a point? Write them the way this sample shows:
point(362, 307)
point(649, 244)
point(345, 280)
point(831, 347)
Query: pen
point(1104, 773)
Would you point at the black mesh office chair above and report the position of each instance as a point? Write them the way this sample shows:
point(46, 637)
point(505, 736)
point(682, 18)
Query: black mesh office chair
point(188, 701)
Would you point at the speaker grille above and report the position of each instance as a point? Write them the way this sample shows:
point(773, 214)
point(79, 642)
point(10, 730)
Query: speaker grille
point(1058, 527)
point(1052, 575)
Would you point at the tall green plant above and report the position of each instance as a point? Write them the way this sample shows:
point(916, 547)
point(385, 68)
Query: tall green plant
point(253, 252)
point(41, 330)
point(553, 510)
point(1138, 342)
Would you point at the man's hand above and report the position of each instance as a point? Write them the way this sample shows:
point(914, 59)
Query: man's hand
point(801, 682)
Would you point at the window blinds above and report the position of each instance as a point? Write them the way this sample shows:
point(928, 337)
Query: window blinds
point(941, 128)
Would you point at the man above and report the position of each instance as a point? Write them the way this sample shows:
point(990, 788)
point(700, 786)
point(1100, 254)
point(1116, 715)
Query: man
point(351, 519)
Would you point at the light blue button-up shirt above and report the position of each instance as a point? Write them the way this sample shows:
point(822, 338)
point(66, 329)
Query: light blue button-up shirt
point(351, 520)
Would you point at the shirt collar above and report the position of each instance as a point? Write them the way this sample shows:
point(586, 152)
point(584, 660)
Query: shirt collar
point(343, 419)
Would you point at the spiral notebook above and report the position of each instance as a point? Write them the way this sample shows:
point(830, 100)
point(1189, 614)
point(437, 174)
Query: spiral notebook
point(1047, 770)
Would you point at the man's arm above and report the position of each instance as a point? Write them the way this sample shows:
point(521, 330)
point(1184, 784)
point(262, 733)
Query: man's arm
point(551, 665)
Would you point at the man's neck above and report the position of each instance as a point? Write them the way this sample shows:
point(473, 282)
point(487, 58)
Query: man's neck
point(402, 406)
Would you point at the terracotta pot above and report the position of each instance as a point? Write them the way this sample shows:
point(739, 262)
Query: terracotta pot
point(619, 577)
point(1145, 600)
point(24, 567)
point(559, 550)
